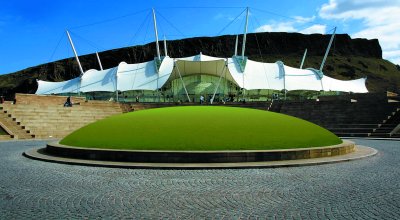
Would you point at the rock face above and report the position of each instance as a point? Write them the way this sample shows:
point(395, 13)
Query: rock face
point(267, 47)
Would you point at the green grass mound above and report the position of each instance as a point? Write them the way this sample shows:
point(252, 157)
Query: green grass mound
point(201, 128)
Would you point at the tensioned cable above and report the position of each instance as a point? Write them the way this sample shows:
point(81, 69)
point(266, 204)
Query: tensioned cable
point(162, 31)
point(262, 58)
point(331, 30)
point(68, 49)
point(173, 26)
point(230, 22)
point(94, 45)
point(276, 50)
point(105, 21)
point(55, 49)
point(240, 28)
point(109, 20)
point(287, 17)
point(141, 11)
point(146, 32)
point(141, 54)
point(258, 45)
point(140, 28)
point(195, 7)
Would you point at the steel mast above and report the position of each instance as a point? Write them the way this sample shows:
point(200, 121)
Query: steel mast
point(76, 55)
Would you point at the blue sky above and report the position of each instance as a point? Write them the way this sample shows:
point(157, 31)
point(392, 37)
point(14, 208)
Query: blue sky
point(33, 32)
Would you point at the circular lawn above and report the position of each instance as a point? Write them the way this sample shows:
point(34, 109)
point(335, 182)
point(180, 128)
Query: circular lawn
point(201, 128)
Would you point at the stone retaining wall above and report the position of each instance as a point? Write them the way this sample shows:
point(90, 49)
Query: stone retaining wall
point(55, 149)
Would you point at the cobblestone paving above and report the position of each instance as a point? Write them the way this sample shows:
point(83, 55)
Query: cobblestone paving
point(361, 189)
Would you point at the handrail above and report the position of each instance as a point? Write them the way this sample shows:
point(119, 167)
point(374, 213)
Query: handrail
point(395, 130)
point(9, 132)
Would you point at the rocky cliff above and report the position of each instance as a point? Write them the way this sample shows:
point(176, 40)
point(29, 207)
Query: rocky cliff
point(348, 59)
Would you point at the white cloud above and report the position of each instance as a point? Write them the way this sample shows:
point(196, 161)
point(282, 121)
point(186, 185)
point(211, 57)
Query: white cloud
point(380, 20)
point(393, 53)
point(277, 27)
point(395, 60)
point(388, 35)
point(301, 19)
point(222, 16)
point(316, 28)
point(291, 27)
point(296, 25)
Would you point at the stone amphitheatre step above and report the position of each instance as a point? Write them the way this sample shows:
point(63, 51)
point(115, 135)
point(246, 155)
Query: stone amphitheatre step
point(371, 126)
point(52, 135)
point(55, 119)
point(15, 130)
point(383, 130)
point(50, 129)
point(58, 133)
point(396, 136)
point(60, 118)
point(388, 125)
point(352, 134)
point(5, 137)
point(41, 131)
point(350, 130)
point(382, 135)
point(67, 111)
point(59, 126)
point(39, 123)
point(46, 114)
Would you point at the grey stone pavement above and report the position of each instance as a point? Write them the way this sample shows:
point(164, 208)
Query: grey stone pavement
point(361, 189)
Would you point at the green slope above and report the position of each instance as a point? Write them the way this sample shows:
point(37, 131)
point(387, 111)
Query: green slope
point(201, 128)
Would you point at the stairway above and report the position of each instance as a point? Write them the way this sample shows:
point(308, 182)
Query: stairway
point(14, 128)
point(348, 119)
point(55, 121)
point(385, 129)
point(352, 130)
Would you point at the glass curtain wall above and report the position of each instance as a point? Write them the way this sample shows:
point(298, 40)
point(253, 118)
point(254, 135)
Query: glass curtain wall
point(202, 85)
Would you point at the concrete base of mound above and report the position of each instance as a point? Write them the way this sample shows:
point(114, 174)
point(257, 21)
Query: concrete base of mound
point(55, 152)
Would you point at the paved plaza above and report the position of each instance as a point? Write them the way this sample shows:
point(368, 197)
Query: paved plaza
point(361, 189)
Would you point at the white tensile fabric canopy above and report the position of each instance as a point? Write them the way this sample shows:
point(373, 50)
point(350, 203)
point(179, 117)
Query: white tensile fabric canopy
point(357, 85)
point(150, 76)
point(69, 86)
point(103, 80)
point(144, 76)
point(256, 75)
point(302, 79)
point(201, 65)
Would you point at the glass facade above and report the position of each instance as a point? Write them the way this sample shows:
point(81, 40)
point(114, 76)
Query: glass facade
point(201, 85)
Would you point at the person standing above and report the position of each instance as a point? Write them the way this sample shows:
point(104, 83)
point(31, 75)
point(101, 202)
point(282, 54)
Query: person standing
point(201, 99)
